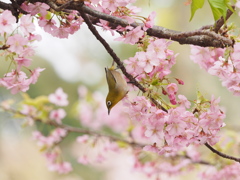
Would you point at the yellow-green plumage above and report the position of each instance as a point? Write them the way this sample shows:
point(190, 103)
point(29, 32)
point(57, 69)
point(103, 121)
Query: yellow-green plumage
point(117, 87)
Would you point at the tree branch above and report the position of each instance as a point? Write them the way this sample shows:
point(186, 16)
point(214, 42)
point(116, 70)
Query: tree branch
point(219, 23)
point(222, 154)
point(93, 133)
point(198, 37)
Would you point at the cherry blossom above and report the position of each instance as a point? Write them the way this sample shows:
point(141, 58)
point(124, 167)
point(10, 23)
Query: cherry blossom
point(35, 8)
point(16, 43)
point(27, 25)
point(6, 22)
point(57, 115)
point(59, 98)
point(132, 36)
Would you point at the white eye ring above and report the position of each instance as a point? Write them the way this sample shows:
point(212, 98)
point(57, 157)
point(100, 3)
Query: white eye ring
point(109, 103)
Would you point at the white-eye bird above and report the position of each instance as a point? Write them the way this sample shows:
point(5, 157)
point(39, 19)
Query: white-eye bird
point(117, 87)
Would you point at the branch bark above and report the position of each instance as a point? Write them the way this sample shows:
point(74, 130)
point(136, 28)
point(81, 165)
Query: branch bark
point(200, 37)
point(204, 38)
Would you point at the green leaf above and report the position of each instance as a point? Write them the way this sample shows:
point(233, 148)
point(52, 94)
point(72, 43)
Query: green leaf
point(219, 8)
point(196, 4)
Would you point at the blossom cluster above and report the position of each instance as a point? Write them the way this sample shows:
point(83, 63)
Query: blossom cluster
point(17, 42)
point(170, 132)
point(101, 149)
point(54, 162)
point(151, 66)
point(68, 23)
point(51, 140)
point(52, 153)
point(62, 27)
point(227, 172)
point(42, 109)
point(223, 63)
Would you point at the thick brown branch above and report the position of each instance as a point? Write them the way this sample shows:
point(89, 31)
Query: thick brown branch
point(201, 38)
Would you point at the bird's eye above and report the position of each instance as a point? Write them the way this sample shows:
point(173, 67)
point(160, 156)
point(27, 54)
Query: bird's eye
point(109, 103)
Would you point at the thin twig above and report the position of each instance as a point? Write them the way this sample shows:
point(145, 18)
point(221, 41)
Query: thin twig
point(222, 154)
point(219, 23)
point(92, 133)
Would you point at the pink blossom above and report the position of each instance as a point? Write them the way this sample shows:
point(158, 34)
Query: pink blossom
point(154, 130)
point(54, 163)
point(64, 168)
point(149, 21)
point(111, 5)
point(35, 74)
point(75, 26)
point(61, 32)
point(147, 61)
point(48, 141)
point(30, 112)
point(95, 1)
point(82, 91)
point(172, 89)
point(22, 62)
point(205, 57)
point(181, 82)
point(229, 171)
point(58, 134)
point(83, 139)
point(59, 98)
point(35, 8)
point(172, 99)
point(139, 108)
point(105, 25)
point(57, 115)
point(132, 66)
point(238, 6)
point(27, 52)
point(6, 21)
point(159, 47)
point(48, 25)
point(27, 26)
point(16, 43)
point(227, 69)
point(83, 160)
point(133, 36)
point(176, 128)
point(219, 70)
point(151, 148)
point(16, 81)
point(183, 101)
point(100, 158)
point(34, 37)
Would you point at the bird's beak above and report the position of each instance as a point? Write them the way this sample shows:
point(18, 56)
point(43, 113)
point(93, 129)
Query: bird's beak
point(109, 111)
